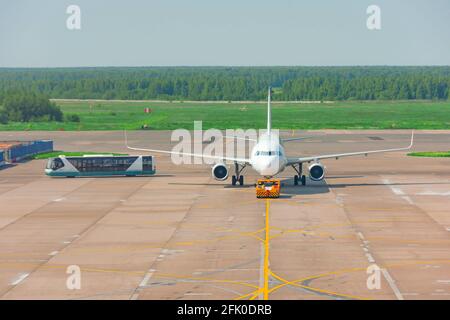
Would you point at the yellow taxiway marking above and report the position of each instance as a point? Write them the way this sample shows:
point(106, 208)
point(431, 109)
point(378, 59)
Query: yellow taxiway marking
point(256, 289)
point(266, 254)
point(267, 272)
point(294, 283)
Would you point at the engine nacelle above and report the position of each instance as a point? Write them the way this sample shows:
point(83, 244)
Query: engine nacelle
point(316, 172)
point(220, 172)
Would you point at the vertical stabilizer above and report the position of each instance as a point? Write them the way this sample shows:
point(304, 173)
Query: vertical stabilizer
point(269, 113)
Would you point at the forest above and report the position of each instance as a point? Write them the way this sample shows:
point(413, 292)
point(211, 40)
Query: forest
point(232, 83)
point(21, 106)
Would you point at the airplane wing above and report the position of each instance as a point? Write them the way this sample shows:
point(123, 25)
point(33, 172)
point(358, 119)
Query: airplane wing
point(349, 154)
point(297, 138)
point(239, 138)
point(239, 160)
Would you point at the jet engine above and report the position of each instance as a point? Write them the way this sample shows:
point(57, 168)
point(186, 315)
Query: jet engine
point(316, 172)
point(220, 172)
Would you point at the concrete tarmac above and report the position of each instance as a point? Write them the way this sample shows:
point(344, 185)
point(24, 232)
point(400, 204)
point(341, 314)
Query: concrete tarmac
point(382, 219)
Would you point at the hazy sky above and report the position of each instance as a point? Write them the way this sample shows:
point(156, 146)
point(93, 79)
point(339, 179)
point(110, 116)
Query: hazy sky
point(227, 32)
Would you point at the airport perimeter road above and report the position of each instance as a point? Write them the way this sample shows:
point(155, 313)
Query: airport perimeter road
point(183, 235)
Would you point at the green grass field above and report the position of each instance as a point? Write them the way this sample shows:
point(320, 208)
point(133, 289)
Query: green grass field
point(55, 154)
point(437, 154)
point(168, 116)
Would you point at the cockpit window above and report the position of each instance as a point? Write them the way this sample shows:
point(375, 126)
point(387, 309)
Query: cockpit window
point(268, 153)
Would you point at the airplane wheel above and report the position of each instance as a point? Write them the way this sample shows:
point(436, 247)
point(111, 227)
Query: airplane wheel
point(295, 180)
point(241, 180)
point(303, 180)
point(233, 180)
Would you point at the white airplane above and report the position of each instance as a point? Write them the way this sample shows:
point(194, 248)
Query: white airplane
point(268, 157)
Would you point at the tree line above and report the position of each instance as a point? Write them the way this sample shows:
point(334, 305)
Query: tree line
point(24, 106)
point(232, 83)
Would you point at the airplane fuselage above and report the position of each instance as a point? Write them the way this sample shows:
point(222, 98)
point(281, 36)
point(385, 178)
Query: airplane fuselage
point(267, 156)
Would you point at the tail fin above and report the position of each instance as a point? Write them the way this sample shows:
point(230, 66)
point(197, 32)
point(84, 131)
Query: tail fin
point(269, 113)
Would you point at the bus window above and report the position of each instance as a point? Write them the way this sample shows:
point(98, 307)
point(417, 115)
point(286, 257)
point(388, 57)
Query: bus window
point(107, 165)
point(147, 164)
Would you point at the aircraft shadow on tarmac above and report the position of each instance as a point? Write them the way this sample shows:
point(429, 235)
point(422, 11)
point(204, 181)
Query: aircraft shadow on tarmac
point(344, 185)
point(111, 177)
point(289, 190)
point(218, 184)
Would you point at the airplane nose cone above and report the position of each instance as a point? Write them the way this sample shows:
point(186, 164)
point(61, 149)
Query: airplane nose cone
point(269, 167)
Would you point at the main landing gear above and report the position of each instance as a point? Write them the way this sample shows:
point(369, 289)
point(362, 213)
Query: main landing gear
point(300, 177)
point(238, 177)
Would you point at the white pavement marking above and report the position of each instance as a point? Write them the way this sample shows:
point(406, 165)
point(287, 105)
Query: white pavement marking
point(339, 200)
point(431, 193)
point(146, 278)
point(19, 278)
point(392, 284)
point(143, 283)
point(407, 199)
point(59, 199)
point(386, 274)
point(443, 281)
point(53, 253)
point(398, 192)
point(370, 258)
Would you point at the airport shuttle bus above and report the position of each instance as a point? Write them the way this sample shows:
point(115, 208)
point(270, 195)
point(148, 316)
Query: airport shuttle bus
point(100, 165)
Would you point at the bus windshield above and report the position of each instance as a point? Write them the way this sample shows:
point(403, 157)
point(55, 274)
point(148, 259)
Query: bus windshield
point(55, 164)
